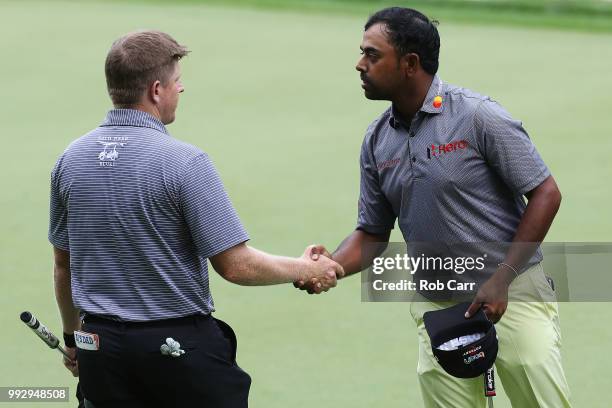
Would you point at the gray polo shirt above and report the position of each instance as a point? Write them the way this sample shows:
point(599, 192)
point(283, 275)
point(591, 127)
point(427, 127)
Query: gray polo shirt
point(140, 213)
point(457, 173)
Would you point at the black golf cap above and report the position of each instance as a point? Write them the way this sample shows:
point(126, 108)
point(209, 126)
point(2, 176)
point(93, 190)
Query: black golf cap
point(460, 359)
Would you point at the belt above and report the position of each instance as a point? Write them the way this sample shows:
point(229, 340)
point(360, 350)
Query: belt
point(177, 321)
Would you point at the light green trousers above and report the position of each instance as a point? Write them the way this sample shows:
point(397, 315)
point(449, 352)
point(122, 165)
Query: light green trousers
point(529, 359)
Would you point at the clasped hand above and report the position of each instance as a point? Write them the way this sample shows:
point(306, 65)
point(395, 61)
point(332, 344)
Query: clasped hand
point(318, 284)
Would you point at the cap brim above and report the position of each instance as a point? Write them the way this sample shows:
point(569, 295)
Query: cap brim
point(446, 324)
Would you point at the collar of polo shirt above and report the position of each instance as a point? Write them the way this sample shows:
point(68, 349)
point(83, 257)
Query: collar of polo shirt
point(133, 117)
point(436, 88)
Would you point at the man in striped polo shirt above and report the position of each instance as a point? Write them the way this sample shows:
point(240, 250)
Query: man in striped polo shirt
point(452, 167)
point(135, 214)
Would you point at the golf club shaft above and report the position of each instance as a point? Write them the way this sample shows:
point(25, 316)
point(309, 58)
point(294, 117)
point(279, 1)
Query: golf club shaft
point(63, 351)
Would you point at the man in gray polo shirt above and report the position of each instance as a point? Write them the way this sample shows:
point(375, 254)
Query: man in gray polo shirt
point(135, 214)
point(452, 167)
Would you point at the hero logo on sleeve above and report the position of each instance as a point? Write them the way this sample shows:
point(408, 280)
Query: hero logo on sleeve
point(87, 341)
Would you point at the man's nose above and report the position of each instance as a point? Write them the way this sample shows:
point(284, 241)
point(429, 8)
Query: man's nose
point(360, 66)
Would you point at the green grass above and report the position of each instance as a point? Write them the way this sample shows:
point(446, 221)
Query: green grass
point(579, 15)
point(274, 98)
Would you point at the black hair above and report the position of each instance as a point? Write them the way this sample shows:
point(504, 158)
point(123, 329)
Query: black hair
point(410, 31)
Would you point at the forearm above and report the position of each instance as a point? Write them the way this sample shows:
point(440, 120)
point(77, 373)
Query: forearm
point(63, 295)
point(358, 250)
point(260, 268)
point(252, 267)
point(541, 209)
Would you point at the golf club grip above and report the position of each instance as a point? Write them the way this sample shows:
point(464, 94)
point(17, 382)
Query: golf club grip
point(40, 330)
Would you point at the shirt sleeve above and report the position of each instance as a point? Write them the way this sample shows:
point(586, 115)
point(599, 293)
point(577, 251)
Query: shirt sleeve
point(507, 148)
point(207, 210)
point(375, 213)
point(58, 215)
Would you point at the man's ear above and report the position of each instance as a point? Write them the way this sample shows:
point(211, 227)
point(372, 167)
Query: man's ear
point(410, 64)
point(154, 91)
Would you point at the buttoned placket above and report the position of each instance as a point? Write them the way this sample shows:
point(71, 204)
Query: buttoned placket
point(410, 135)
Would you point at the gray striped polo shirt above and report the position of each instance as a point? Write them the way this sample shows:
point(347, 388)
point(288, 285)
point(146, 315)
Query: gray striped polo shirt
point(457, 173)
point(140, 213)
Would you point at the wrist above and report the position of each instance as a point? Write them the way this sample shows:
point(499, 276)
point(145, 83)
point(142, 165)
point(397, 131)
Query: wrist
point(303, 272)
point(69, 340)
point(506, 273)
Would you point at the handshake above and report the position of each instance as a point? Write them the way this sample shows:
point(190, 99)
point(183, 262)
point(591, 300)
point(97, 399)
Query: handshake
point(322, 273)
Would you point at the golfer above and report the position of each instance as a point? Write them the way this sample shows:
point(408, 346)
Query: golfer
point(135, 215)
point(453, 166)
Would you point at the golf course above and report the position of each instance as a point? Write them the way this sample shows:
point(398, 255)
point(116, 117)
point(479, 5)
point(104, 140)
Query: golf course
point(272, 95)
